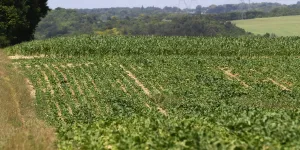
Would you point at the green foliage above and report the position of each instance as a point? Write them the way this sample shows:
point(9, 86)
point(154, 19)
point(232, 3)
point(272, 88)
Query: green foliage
point(229, 8)
point(148, 133)
point(18, 19)
point(62, 22)
point(156, 21)
point(258, 10)
point(160, 45)
point(204, 93)
point(3, 41)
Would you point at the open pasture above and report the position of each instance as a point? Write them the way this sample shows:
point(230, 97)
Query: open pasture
point(281, 26)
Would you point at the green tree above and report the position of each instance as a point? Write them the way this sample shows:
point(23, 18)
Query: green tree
point(19, 18)
point(198, 9)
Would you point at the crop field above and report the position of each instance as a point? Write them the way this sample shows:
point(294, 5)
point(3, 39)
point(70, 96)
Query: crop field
point(166, 92)
point(281, 26)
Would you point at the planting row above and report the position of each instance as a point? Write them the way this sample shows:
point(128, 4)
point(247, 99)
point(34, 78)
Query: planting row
point(134, 102)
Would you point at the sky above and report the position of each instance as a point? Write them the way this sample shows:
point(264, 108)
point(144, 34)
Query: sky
point(138, 3)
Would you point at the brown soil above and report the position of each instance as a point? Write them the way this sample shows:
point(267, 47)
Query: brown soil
point(162, 88)
point(283, 87)
point(70, 110)
point(59, 113)
point(164, 112)
point(77, 85)
point(57, 80)
point(133, 68)
point(70, 65)
point(145, 90)
point(289, 84)
point(49, 86)
point(230, 75)
point(137, 81)
point(129, 83)
point(25, 57)
point(147, 105)
point(122, 86)
point(30, 87)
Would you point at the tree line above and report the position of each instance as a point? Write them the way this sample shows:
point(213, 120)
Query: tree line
point(19, 18)
point(283, 10)
point(61, 22)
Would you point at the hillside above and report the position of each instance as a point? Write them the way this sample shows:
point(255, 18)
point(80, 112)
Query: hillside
point(281, 26)
point(19, 126)
point(147, 92)
point(66, 22)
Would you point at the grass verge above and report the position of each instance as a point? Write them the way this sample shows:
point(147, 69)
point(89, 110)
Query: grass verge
point(19, 127)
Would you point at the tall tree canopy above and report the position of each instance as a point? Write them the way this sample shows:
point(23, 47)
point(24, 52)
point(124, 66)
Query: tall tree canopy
point(19, 18)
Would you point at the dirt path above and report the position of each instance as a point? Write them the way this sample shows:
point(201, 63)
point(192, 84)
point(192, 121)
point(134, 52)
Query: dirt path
point(279, 84)
point(230, 75)
point(137, 81)
point(19, 126)
point(25, 57)
point(283, 85)
point(144, 88)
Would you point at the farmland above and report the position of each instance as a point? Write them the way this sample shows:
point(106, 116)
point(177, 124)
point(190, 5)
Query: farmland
point(166, 92)
point(281, 26)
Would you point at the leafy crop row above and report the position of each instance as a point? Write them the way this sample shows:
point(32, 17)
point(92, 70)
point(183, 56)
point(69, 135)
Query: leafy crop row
point(127, 45)
point(194, 102)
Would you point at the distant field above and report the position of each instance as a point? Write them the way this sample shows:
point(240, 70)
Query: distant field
point(281, 26)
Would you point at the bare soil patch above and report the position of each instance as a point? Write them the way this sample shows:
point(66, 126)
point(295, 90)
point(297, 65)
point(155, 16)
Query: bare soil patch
point(76, 83)
point(129, 83)
point(137, 81)
point(30, 88)
point(49, 86)
point(122, 86)
point(230, 75)
point(162, 111)
point(57, 80)
point(16, 57)
point(59, 113)
point(283, 87)
point(145, 90)
point(133, 68)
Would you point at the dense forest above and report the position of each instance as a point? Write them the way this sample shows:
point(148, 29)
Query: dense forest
point(233, 12)
point(201, 21)
point(18, 20)
point(71, 22)
point(227, 8)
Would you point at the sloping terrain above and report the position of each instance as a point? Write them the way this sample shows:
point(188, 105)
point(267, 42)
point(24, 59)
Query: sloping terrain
point(19, 126)
point(281, 26)
point(146, 96)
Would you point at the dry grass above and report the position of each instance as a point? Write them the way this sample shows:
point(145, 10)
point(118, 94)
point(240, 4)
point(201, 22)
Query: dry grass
point(19, 127)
